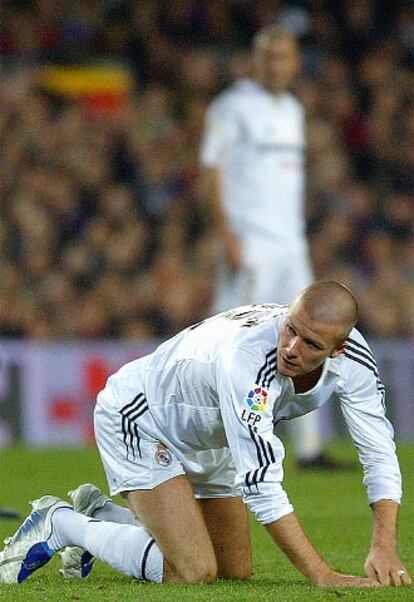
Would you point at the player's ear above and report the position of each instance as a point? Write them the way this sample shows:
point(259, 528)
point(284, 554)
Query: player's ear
point(338, 350)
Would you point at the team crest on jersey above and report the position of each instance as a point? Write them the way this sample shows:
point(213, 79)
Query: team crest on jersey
point(257, 399)
point(162, 455)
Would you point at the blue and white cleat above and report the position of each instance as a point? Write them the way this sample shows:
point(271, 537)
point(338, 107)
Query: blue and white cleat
point(27, 550)
point(76, 562)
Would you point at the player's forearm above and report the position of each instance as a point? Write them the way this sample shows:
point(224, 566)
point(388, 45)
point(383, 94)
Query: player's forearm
point(384, 531)
point(288, 534)
point(383, 564)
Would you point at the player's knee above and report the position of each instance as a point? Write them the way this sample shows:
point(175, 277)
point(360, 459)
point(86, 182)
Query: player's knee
point(242, 571)
point(240, 574)
point(200, 573)
point(203, 574)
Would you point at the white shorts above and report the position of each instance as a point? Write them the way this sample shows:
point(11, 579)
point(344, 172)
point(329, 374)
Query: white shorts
point(133, 459)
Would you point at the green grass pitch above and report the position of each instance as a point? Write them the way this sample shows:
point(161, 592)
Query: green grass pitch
point(332, 508)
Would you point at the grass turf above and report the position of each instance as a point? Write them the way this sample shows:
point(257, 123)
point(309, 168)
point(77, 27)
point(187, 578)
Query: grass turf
point(332, 508)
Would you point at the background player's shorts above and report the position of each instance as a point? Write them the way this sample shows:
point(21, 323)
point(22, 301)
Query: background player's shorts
point(271, 272)
point(134, 459)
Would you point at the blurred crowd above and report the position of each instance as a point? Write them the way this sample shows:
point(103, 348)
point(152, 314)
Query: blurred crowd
point(104, 226)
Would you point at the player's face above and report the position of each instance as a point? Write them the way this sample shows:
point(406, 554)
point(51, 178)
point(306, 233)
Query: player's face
point(276, 63)
point(304, 344)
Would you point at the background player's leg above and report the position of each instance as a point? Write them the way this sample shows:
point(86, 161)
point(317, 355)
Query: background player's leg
point(305, 432)
point(305, 437)
point(232, 288)
point(280, 273)
point(287, 273)
point(174, 519)
point(227, 522)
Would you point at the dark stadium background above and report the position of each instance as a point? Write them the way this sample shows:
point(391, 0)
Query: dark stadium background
point(106, 246)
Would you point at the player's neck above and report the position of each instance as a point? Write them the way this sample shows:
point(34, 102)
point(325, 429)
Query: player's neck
point(306, 382)
point(275, 92)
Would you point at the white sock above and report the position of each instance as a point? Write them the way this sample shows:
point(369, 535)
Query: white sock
point(68, 529)
point(116, 514)
point(128, 548)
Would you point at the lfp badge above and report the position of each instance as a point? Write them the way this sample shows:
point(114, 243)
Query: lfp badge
point(257, 399)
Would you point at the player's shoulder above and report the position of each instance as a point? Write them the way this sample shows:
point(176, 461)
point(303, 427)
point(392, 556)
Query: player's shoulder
point(358, 356)
point(255, 328)
point(252, 341)
point(357, 342)
point(248, 316)
point(240, 92)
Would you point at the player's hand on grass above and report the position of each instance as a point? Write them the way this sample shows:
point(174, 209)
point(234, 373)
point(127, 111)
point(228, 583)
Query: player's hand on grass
point(334, 579)
point(384, 566)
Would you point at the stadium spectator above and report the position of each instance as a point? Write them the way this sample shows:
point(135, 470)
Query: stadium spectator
point(64, 156)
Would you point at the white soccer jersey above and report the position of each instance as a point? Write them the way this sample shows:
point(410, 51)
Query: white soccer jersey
point(257, 141)
point(216, 385)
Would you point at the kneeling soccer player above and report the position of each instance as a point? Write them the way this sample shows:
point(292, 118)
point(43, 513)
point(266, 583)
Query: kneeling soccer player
point(186, 435)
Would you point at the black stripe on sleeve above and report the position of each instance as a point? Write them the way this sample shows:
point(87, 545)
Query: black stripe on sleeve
point(269, 357)
point(247, 480)
point(271, 453)
point(270, 379)
point(362, 362)
point(132, 403)
point(263, 446)
point(365, 356)
point(263, 475)
point(259, 453)
point(363, 347)
point(139, 411)
point(364, 351)
point(265, 456)
point(254, 477)
point(270, 373)
point(135, 405)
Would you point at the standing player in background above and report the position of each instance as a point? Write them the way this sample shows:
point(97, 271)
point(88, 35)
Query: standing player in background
point(253, 160)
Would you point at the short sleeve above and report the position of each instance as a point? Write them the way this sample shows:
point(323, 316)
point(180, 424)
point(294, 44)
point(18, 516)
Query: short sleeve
point(221, 131)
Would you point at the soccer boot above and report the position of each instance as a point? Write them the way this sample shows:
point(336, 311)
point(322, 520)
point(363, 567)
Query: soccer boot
point(27, 550)
point(88, 498)
point(76, 563)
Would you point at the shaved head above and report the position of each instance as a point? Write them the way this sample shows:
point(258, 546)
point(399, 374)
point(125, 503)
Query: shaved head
point(329, 302)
